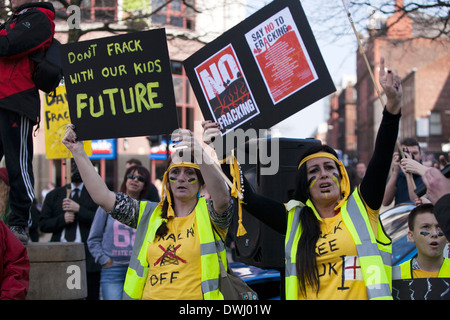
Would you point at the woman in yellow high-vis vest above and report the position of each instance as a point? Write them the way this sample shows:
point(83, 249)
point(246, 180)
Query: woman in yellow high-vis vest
point(335, 245)
point(178, 241)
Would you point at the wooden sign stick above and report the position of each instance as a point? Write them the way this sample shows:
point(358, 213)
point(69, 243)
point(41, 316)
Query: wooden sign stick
point(361, 51)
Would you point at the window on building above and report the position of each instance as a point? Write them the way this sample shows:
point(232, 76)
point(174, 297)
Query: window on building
point(176, 13)
point(92, 10)
point(435, 124)
point(183, 96)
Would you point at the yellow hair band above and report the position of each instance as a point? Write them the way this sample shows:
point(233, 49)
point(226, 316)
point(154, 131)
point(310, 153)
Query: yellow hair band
point(318, 155)
point(183, 164)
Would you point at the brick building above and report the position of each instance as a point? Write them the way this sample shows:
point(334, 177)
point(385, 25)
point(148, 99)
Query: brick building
point(341, 134)
point(424, 66)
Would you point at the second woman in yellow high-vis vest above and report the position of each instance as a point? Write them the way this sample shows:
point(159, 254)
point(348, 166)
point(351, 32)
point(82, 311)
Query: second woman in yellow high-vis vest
point(335, 245)
point(178, 241)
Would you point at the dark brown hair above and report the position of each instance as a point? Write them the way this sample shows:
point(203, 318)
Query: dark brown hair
point(306, 251)
point(423, 208)
point(144, 173)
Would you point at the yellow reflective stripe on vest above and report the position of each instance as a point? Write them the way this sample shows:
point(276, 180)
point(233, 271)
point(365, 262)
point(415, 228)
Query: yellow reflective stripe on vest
point(291, 244)
point(138, 267)
point(445, 269)
point(404, 270)
point(210, 271)
point(376, 272)
point(210, 268)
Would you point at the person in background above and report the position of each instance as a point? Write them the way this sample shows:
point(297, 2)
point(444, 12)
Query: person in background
point(399, 187)
point(356, 174)
point(360, 170)
point(67, 213)
point(14, 263)
point(152, 192)
point(425, 233)
point(29, 29)
point(14, 266)
point(111, 242)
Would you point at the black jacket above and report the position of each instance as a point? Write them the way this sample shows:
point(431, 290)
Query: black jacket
point(52, 218)
point(30, 28)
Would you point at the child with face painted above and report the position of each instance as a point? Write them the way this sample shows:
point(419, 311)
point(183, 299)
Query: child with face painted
point(335, 245)
point(174, 255)
point(430, 241)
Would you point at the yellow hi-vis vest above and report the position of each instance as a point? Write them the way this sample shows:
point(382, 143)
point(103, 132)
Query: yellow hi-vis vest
point(404, 270)
point(374, 253)
point(150, 217)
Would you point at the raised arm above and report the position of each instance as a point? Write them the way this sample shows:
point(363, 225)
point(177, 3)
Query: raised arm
point(270, 212)
point(373, 184)
point(214, 180)
point(94, 184)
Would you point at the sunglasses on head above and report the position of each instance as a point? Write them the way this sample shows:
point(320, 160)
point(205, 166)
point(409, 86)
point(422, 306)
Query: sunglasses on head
point(133, 176)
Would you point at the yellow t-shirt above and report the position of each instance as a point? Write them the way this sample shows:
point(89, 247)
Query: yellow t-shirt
point(174, 262)
point(338, 265)
point(417, 273)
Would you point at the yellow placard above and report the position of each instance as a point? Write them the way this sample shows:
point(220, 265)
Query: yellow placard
point(56, 117)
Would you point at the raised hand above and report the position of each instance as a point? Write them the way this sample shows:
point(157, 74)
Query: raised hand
point(392, 86)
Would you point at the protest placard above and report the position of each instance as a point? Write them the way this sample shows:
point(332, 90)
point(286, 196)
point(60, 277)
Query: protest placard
point(260, 72)
point(56, 116)
point(421, 289)
point(120, 86)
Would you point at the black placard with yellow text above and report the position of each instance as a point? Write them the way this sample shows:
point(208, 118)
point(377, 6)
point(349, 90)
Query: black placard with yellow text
point(120, 86)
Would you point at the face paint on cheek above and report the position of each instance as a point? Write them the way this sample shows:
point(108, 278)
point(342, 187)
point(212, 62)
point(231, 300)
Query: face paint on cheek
point(312, 182)
point(441, 234)
point(192, 180)
point(424, 233)
point(336, 179)
point(173, 179)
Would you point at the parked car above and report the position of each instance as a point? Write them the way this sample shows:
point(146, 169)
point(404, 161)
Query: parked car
point(265, 282)
point(395, 223)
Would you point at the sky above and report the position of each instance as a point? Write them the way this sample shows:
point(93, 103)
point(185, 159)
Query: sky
point(340, 59)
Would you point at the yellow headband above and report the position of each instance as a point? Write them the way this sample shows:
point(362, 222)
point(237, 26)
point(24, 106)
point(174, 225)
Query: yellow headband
point(318, 155)
point(165, 185)
point(345, 181)
point(183, 164)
